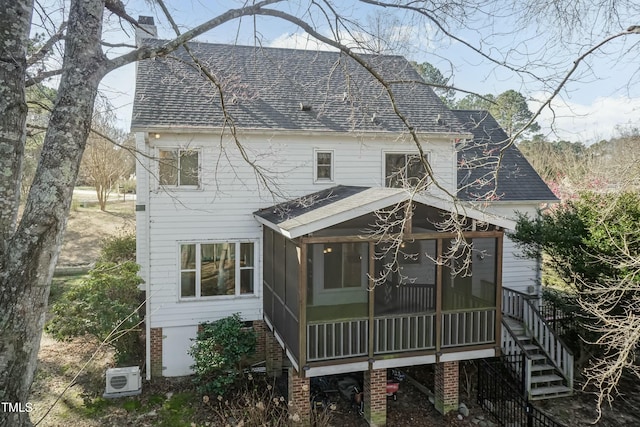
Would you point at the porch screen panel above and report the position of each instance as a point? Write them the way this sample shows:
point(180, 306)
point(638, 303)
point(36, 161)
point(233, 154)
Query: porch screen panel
point(268, 272)
point(469, 278)
point(292, 278)
point(337, 281)
point(279, 282)
point(279, 265)
point(292, 334)
point(411, 287)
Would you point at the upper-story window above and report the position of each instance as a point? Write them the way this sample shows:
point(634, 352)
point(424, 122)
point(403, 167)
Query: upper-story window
point(402, 169)
point(217, 269)
point(180, 168)
point(324, 165)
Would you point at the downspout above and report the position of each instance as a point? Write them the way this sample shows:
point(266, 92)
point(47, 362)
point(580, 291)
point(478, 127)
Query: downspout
point(147, 261)
point(148, 294)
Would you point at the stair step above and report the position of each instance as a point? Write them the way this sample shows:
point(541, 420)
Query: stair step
point(536, 379)
point(541, 367)
point(537, 357)
point(530, 347)
point(556, 391)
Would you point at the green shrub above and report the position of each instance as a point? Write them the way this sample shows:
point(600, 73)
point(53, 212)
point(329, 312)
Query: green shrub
point(104, 301)
point(119, 248)
point(219, 350)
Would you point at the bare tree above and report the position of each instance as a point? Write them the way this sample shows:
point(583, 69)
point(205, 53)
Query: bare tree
point(29, 244)
point(104, 163)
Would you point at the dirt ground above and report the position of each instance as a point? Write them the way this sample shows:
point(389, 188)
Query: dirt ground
point(87, 226)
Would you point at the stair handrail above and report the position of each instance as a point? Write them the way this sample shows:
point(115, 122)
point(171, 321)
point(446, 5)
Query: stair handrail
point(508, 339)
point(553, 346)
point(513, 303)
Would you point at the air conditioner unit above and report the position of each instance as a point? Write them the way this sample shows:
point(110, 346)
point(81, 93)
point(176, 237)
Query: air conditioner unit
point(123, 382)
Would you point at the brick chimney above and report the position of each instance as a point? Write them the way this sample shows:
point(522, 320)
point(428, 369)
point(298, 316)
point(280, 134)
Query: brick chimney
point(148, 30)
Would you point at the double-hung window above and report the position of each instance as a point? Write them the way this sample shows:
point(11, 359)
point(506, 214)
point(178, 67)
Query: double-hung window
point(179, 168)
point(323, 165)
point(401, 169)
point(217, 269)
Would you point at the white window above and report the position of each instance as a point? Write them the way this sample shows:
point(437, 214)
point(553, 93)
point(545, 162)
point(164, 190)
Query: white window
point(324, 165)
point(217, 269)
point(403, 169)
point(179, 168)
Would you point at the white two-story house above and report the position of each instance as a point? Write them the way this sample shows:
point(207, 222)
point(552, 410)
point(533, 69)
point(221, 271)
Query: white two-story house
point(260, 187)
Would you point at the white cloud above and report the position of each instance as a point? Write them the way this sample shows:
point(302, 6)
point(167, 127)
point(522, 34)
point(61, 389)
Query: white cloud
point(397, 40)
point(300, 41)
point(589, 123)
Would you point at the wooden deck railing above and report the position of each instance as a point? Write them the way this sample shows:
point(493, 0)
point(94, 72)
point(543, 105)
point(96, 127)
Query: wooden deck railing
point(514, 349)
point(523, 308)
point(393, 334)
point(513, 303)
point(555, 349)
point(399, 333)
point(468, 327)
point(340, 339)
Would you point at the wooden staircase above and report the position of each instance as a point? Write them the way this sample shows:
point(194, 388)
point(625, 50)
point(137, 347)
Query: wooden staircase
point(547, 366)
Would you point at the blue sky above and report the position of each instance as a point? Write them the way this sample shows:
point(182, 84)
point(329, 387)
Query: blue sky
point(604, 93)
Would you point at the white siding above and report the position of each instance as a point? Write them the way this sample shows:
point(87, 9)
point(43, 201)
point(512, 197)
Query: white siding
point(230, 192)
point(221, 210)
point(518, 272)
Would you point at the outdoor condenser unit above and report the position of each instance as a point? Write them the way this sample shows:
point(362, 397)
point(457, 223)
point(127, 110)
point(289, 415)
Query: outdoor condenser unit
point(123, 382)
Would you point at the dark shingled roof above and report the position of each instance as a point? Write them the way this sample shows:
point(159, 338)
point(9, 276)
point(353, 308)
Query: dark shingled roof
point(294, 208)
point(477, 161)
point(341, 203)
point(288, 89)
point(265, 88)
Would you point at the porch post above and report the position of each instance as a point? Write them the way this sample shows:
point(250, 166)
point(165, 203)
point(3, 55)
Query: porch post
point(446, 384)
point(302, 296)
point(498, 332)
point(372, 290)
point(438, 325)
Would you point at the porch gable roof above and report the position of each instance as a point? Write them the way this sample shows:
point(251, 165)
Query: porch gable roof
point(338, 204)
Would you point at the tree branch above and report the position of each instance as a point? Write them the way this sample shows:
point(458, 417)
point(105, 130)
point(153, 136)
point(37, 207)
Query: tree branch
point(46, 48)
point(147, 52)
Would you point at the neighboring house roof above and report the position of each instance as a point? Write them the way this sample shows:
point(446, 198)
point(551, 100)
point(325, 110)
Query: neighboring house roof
point(341, 203)
point(478, 160)
point(272, 88)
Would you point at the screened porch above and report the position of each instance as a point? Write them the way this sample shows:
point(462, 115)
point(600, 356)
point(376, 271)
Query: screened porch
point(337, 295)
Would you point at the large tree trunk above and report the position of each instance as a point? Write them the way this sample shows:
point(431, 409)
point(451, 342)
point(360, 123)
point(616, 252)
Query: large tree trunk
point(15, 23)
point(27, 265)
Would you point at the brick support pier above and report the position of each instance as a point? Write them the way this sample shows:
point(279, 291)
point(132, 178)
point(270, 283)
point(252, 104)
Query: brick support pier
point(273, 355)
point(299, 394)
point(375, 397)
point(446, 385)
point(156, 352)
point(261, 330)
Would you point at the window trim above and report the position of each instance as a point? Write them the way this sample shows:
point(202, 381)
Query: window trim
point(237, 269)
point(427, 155)
point(331, 152)
point(179, 150)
